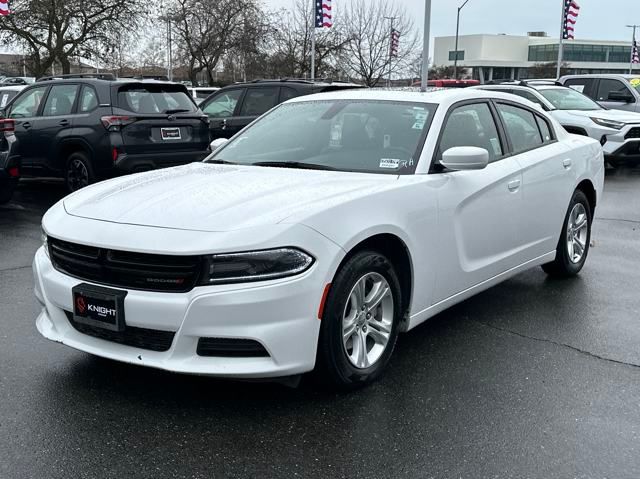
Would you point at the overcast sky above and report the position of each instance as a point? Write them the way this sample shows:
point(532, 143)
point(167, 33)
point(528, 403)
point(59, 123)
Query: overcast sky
point(599, 19)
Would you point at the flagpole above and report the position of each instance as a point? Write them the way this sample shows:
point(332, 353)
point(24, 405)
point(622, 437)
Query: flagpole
point(561, 44)
point(425, 46)
point(313, 52)
point(633, 46)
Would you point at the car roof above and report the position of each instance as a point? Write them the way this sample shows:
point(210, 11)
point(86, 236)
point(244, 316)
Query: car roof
point(604, 75)
point(294, 82)
point(441, 96)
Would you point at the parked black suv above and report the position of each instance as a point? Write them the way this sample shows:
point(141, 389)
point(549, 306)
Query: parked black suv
point(9, 161)
point(235, 106)
point(90, 127)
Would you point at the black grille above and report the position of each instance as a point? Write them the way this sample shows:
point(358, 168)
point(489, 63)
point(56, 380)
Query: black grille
point(151, 339)
point(149, 272)
point(231, 348)
point(633, 133)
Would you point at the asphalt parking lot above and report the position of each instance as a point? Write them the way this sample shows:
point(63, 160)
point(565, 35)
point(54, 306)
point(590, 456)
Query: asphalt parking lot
point(535, 378)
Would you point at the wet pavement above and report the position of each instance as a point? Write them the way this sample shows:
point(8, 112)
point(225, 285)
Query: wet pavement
point(532, 378)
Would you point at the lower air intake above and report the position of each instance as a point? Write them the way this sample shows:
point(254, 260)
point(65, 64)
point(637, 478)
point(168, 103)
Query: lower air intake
point(231, 348)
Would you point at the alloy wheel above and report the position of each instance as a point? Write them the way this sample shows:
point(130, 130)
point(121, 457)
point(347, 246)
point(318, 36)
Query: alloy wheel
point(577, 233)
point(77, 175)
point(367, 320)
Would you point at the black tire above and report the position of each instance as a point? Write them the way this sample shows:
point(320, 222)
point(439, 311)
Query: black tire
point(78, 171)
point(333, 364)
point(563, 266)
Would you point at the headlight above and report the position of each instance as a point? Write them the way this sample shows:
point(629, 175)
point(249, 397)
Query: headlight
point(45, 242)
point(255, 265)
point(616, 125)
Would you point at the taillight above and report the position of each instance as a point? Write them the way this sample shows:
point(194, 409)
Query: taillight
point(114, 154)
point(116, 123)
point(7, 124)
point(14, 172)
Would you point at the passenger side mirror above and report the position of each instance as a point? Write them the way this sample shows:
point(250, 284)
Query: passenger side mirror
point(217, 143)
point(465, 158)
point(620, 96)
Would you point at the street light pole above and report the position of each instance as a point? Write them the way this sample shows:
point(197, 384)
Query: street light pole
point(455, 61)
point(391, 20)
point(425, 45)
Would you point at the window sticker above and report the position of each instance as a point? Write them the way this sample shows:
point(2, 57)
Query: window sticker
point(635, 82)
point(418, 125)
point(495, 143)
point(578, 88)
point(386, 141)
point(390, 163)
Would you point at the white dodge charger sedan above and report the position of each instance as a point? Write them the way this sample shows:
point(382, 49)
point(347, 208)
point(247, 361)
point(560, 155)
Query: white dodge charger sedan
point(317, 234)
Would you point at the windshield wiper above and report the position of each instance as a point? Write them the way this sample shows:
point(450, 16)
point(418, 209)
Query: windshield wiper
point(221, 162)
point(177, 110)
point(295, 164)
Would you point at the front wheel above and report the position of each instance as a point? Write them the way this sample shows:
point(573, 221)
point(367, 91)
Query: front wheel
point(573, 246)
point(360, 321)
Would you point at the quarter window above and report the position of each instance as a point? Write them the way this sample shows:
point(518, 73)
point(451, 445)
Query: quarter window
point(60, 100)
point(472, 125)
point(88, 100)
point(522, 127)
point(28, 104)
point(545, 130)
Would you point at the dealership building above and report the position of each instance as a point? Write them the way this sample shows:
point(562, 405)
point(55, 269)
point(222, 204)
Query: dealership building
point(493, 57)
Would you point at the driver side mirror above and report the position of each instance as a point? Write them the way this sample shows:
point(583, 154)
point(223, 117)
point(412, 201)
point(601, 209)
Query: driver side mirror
point(217, 143)
point(620, 96)
point(462, 158)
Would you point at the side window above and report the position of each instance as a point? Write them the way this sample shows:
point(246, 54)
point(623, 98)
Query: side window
point(258, 101)
point(60, 100)
point(88, 99)
point(607, 86)
point(27, 105)
point(582, 85)
point(224, 104)
point(472, 125)
point(545, 129)
point(529, 96)
point(522, 127)
point(287, 94)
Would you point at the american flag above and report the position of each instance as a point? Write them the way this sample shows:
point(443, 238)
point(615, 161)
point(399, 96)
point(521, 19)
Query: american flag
point(323, 14)
point(635, 56)
point(395, 42)
point(571, 12)
point(4, 8)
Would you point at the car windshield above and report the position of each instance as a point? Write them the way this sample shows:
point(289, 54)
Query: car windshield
point(347, 135)
point(569, 99)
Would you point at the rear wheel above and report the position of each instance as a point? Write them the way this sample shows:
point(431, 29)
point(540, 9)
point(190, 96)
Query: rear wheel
point(573, 246)
point(78, 172)
point(360, 321)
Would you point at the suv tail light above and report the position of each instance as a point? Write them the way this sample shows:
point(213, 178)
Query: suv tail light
point(116, 123)
point(14, 172)
point(7, 125)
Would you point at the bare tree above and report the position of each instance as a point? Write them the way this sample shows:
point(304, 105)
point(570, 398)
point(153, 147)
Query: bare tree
point(366, 55)
point(61, 30)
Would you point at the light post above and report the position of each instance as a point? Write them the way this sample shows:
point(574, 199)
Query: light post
point(391, 20)
point(425, 45)
point(455, 61)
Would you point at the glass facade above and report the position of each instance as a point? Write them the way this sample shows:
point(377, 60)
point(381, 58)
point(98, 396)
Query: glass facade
point(581, 53)
point(452, 55)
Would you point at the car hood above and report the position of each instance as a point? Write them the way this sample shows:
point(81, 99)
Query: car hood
point(208, 197)
point(616, 115)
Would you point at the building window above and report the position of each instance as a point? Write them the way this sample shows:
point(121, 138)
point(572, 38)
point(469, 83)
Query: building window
point(452, 55)
point(575, 53)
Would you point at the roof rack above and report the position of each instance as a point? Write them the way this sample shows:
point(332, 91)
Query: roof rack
point(145, 77)
point(98, 76)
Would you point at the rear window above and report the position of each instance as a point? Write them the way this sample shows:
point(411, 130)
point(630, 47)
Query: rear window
point(153, 99)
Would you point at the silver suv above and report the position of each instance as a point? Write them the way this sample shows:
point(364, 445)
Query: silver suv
point(617, 92)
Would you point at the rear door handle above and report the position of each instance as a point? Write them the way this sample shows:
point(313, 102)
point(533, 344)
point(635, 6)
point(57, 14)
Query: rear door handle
point(567, 164)
point(26, 125)
point(514, 185)
point(64, 122)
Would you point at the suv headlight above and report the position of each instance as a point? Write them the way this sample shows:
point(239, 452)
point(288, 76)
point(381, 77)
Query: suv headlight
point(616, 125)
point(255, 265)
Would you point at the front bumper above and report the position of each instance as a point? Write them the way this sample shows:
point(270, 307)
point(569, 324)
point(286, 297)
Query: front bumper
point(619, 146)
point(281, 315)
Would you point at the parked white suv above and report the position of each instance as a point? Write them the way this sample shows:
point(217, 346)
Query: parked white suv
point(617, 92)
point(617, 131)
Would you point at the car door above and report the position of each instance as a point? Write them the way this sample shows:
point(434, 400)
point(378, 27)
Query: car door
point(606, 87)
point(25, 110)
point(546, 178)
point(221, 108)
point(55, 123)
point(479, 210)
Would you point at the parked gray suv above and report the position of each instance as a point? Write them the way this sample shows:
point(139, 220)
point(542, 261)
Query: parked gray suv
point(612, 91)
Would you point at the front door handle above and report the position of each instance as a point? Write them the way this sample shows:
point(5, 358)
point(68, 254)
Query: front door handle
point(64, 122)
point(567, 164)
point(513, 185)
point(26, 125)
